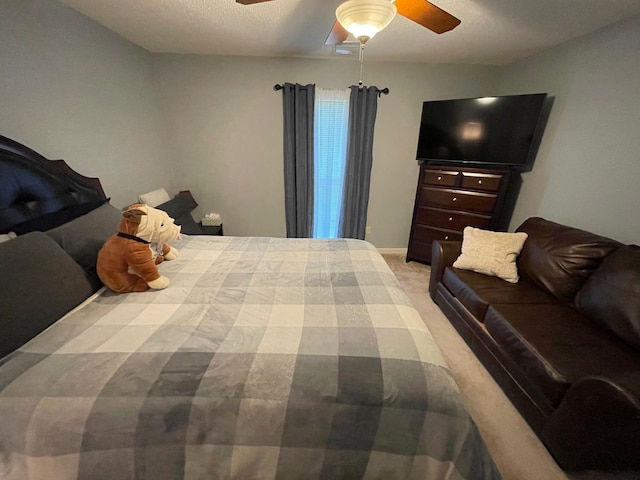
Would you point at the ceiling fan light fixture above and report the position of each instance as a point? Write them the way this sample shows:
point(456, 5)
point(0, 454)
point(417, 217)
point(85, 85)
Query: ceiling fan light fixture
point(365, 18)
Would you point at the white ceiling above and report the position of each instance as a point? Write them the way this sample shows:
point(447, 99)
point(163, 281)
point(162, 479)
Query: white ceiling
point(494, 32)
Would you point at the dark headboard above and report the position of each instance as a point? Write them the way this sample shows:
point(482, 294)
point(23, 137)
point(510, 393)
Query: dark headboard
point(33, 187)
point(61, 219)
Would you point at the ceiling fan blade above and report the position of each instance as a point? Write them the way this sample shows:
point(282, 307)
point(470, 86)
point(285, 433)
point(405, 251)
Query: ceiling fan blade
point(337, 35)
point(427, 15)
point(251, 2)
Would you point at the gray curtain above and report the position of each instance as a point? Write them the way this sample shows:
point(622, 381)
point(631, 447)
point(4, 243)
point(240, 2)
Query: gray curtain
point(363, 106)
point(297, 102)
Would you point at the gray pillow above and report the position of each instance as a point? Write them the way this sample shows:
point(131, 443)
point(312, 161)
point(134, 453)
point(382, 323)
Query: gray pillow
point(179, 209)
point(39, 284)
point(83, 237)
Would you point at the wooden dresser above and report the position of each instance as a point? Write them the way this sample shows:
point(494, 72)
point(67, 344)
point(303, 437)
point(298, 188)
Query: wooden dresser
point(451, 198)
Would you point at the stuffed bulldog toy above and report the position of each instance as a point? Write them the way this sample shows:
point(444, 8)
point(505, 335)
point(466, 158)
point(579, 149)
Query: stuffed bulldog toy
point(128, 261)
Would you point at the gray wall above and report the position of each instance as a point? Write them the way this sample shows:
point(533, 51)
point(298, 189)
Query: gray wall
point(225, 125)
point(588, 168)
point(71, 89)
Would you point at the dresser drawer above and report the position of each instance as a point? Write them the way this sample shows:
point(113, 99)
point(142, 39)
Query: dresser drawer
point(481, 181)
point(452, 197)
point(444, 178)
point(451, 220)
point(429, 234)
point(458, 199)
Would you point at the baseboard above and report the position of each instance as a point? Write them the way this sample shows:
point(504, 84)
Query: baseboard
point(393, 251)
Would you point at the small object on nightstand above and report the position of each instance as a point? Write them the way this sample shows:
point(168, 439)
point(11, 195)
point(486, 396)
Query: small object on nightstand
point(213, 219)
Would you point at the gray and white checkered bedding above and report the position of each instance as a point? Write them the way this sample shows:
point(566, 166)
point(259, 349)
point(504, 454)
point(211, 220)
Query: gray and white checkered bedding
point(265, 358)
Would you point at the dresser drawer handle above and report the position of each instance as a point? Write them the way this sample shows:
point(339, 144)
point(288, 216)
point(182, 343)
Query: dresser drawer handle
point(454, 199)
point(446, 237)
point(439, 178)
point(451, 219)
point(479, 182)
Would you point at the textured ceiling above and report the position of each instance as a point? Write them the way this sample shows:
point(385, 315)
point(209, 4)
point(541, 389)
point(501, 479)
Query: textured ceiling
point(494, 32)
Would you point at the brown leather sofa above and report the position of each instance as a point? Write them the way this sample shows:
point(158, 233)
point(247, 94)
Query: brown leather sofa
point(563, 342)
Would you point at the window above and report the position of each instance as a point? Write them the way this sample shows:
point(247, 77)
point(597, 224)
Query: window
point(331, 123)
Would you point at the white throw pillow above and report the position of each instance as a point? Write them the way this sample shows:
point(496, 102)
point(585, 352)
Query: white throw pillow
point(7, 236)
point(155, 198)
point(491, 253)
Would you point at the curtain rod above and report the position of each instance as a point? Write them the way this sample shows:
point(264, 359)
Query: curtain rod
point(385, 90)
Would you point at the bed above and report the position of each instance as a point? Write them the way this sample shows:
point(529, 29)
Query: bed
point(265, 358)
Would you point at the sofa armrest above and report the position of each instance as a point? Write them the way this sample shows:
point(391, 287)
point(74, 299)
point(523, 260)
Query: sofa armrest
point(443, 254)
point(597, 425)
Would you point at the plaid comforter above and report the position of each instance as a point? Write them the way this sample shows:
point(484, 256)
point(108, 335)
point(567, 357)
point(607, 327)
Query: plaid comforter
point(265, 358)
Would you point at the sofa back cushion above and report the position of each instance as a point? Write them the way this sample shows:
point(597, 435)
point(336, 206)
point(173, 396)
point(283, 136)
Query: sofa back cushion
point(560, 259)
point(611, 296)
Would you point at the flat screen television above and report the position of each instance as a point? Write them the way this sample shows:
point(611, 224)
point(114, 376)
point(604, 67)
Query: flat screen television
point(485, 132)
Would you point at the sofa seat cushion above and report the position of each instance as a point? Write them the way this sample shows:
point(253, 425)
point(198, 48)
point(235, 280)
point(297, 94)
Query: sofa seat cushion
point(555, 345)
point(477, 291)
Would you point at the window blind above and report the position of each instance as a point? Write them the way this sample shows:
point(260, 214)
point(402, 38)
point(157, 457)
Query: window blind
point(331, 123)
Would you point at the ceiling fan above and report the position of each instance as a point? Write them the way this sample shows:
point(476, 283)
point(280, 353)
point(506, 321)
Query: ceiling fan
point(378, 14)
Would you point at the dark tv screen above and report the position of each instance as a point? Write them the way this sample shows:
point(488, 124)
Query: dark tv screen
point(485, 131)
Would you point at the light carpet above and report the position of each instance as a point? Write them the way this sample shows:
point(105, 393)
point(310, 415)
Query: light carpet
point(514, 447)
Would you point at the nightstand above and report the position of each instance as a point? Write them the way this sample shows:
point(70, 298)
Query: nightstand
point(211, 229)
